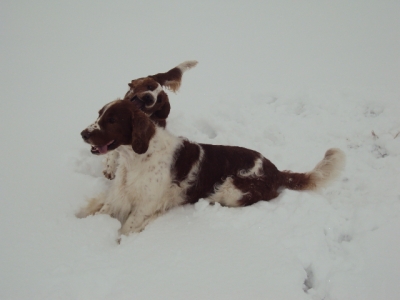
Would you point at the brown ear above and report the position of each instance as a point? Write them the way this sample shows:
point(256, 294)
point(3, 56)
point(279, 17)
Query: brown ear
point(142, 131)
point(172, 79)
point(163, 112)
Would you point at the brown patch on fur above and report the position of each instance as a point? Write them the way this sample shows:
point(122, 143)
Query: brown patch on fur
point(108, 175)
point(219, 163)
point(296, 181)
point(142, 131)
point(186, 157)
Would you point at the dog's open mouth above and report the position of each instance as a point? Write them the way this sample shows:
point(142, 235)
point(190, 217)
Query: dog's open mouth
point(102, 149)
point(137, 102)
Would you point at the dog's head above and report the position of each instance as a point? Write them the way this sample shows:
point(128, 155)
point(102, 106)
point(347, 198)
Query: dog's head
point(120, 122)
point(148, 95)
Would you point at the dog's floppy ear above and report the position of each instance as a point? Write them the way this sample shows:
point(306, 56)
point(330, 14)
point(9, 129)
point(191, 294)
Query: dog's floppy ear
point(172, 79)
point(143, 130)
point(163, 112)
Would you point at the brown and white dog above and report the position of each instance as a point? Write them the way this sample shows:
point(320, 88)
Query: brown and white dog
point(148, 95)
point(158, 171)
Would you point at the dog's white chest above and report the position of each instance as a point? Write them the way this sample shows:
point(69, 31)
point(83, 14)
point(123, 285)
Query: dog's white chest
point(146, 179)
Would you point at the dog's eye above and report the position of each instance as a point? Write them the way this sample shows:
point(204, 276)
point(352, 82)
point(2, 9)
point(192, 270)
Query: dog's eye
point(158, 99)
point(111, 120)
point(149, 88)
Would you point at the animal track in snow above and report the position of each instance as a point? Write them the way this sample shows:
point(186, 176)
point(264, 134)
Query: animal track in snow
point(88, 164)
point(206, 128)
point(272, 136)
point(263, 98)
point(345, 238)
point(372, 112)
point(310, 280)
point(379, 151)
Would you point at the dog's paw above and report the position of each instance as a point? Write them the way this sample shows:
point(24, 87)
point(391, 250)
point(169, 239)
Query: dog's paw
point(109, 175)
point(81, 214)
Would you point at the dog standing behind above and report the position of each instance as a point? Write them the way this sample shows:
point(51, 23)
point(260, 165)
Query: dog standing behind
point(159, 171)
point(148, 95)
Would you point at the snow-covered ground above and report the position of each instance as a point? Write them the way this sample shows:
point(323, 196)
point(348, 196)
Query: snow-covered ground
point(287, 78)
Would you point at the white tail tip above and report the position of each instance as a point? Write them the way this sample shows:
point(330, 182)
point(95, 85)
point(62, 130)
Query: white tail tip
point(187, 65)
point(328, 169)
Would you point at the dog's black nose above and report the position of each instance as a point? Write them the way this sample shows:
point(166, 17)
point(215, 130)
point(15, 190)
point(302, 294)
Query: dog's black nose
point(148, 99)
point(85, 134)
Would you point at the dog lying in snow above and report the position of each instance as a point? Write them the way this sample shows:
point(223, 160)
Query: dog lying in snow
point(158, 171)
point(148, 95)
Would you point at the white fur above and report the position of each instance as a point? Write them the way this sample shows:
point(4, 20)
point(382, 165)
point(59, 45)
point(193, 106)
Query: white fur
point(227, 194)
point(154, 94)
point(256, 171)
point(187, 65)
point(95, 125)
point(111, 163)
point(328, 169)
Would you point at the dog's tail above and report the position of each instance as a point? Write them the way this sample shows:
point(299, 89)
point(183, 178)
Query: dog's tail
point(327, 170)
point(187, 65)
point(173, 78)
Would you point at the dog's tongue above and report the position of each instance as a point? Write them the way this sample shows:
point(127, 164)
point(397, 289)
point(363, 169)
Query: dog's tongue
point(102, 149)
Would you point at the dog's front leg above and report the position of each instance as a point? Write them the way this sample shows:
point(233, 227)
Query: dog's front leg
point(136, 222)
point(111, 164)
point(94, 206)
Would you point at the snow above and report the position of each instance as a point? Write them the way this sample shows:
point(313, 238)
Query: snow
point(287, 78)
